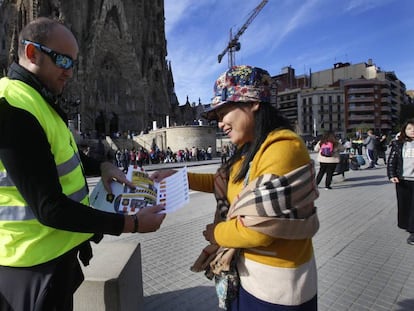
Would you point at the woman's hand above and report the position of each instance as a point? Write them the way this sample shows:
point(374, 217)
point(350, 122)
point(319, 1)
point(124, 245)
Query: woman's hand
point(394, 180)
point(209, 233)
point(157, 176)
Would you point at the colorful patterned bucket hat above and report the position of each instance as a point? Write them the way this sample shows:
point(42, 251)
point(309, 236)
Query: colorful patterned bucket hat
point(240, 84)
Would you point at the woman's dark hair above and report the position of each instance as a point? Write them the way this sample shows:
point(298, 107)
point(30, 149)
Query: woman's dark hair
point(267, 118)
point(329, 136)
point(403, 137)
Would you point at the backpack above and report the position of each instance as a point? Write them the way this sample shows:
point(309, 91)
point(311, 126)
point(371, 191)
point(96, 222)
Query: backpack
point(360, 159)
point(353, 164)
point(327, 149)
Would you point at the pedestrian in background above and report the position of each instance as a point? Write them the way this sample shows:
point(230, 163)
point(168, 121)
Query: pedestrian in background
point(265, 192)
point(370, 143)
point(400, 171)
point(45, 218)
point(209, 153)
point(328, 149)
point(382, 148)
point(224, 154)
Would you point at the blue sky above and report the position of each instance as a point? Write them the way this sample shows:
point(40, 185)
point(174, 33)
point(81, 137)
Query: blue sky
point(304, 34)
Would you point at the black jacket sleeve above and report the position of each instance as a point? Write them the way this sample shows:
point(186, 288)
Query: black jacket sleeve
point(394, 163)
point(26, 155)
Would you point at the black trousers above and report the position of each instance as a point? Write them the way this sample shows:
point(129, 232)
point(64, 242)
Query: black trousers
point(328, 169)
point(405, 201)
point(46, 287)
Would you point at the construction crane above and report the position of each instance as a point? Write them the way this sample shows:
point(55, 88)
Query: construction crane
point(234, 44)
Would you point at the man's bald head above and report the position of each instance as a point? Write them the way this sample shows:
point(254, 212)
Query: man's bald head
point(39, 30)
point(46, 46)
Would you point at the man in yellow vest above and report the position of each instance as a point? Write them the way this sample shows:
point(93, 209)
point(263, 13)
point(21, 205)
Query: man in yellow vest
point(45, 218)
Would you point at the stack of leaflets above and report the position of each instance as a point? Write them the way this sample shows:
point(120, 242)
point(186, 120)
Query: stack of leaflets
point(172, 192)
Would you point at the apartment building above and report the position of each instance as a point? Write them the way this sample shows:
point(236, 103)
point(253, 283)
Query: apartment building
point(320, 110)
point(343, 99)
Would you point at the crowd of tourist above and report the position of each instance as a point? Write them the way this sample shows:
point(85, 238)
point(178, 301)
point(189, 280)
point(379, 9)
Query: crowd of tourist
point(141, 156)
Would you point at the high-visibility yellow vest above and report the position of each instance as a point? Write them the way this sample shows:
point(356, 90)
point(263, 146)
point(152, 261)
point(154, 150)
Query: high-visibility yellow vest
point(24, 241)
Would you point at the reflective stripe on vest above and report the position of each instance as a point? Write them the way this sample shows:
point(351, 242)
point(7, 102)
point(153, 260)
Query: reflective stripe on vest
point(24, 212)
point(24, 241)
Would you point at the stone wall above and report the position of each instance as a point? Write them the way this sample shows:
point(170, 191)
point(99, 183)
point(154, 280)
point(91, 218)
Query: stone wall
point(180, 137)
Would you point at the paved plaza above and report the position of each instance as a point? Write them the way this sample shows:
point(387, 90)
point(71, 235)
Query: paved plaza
point(364, 262)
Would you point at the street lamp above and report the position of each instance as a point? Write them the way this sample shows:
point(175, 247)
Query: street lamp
point(72, 108)
point(77, 105)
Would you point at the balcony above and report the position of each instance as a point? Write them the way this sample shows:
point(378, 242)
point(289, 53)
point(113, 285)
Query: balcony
point(386, 100)
point(358, 125)
point(368, 90)
point(360, 117)
point(287, 105)
point(361, 99)
point(361, 108)
point(386, 118)
point(288, 109)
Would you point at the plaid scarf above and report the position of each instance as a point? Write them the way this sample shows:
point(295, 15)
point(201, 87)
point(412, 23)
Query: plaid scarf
point(279, 206)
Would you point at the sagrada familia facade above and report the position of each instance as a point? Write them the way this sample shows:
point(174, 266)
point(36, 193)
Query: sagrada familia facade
point(123, 80)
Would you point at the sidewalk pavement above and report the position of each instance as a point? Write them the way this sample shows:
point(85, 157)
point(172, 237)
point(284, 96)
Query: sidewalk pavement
point(363, 260)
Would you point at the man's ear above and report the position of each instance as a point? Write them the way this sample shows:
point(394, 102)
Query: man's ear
point(30, 52)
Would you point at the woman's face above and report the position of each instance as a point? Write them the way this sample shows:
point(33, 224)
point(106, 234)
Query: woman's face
point(409, 131)
point(237, 122)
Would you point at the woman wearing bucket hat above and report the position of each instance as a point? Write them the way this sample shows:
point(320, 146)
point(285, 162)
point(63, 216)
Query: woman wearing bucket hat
point(265, 193)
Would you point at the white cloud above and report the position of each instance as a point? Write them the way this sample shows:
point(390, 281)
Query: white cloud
point(361, 6)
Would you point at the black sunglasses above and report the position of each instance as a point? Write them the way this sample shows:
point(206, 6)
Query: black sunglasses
point(60, 60)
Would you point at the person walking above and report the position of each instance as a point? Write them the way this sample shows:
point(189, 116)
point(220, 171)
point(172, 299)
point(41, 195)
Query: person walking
point(400, 171)
point(370, 143)
point(46, 222)
point(382, 148)
point(224, 154)
point(209, 153)
point(265, 198)
point(328, 149)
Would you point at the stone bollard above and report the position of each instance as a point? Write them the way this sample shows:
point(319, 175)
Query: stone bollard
point(113, 279)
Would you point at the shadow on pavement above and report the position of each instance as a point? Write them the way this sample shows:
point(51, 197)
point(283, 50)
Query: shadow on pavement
point(362, 184)
point(205, 296)
point(405, 305)
point(367, 178)
point(361, 181)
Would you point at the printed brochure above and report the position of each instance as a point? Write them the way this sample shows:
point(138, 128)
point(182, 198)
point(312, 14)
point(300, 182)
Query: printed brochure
point(173, 192)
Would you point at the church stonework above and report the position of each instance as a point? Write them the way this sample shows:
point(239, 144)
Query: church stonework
point(122, 81)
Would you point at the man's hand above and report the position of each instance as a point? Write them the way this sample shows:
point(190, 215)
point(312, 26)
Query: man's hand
point(150, 218)
point(109, 173)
